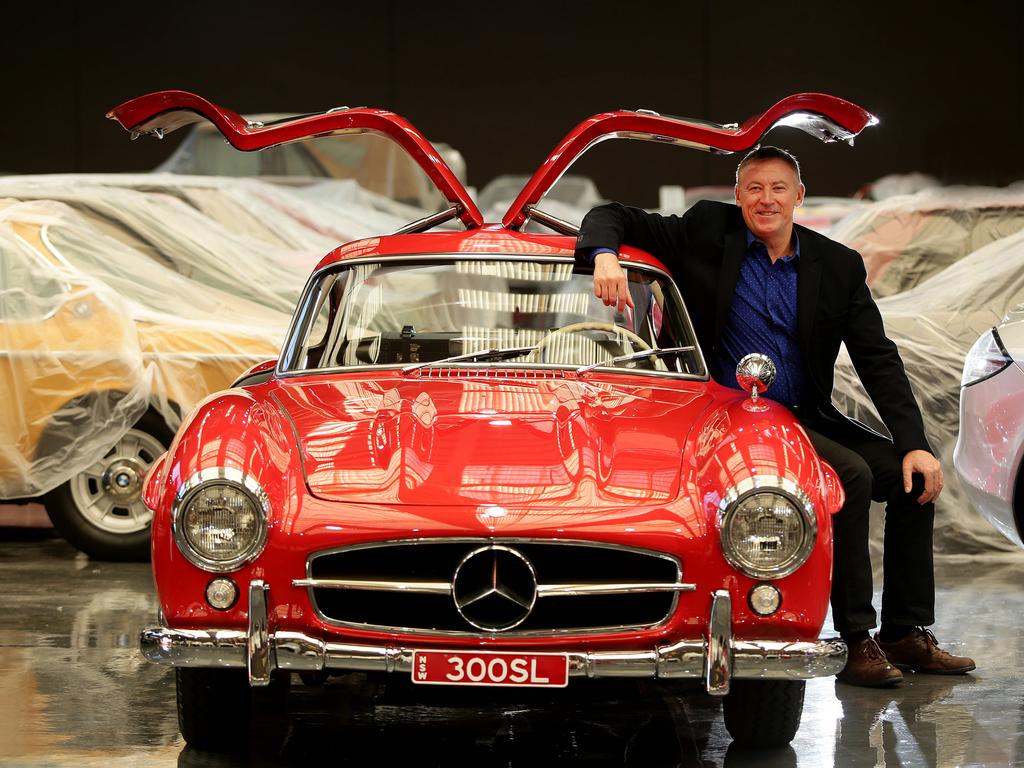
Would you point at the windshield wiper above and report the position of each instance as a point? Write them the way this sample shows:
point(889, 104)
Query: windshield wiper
point(655, 351)
point(480, 354)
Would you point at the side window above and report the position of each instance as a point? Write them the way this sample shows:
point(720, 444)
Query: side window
point(322, 323)
point(317, 340)
point(320, 349)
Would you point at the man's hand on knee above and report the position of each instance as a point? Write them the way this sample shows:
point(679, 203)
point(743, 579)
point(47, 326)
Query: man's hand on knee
point(610, 281)
point(929, 468)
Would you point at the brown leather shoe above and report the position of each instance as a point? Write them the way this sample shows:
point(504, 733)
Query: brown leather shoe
point(866, 665)
point(919, 652)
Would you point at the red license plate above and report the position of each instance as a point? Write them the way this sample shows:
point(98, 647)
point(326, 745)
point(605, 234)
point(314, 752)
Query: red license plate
point(527, 670)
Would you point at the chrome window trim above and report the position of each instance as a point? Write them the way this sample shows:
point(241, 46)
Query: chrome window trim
point(676, 588)
point(235, 478)
point(292, 344)
point(783, 487)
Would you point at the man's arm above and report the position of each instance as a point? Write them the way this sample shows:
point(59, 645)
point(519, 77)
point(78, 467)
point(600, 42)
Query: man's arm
point(612, 225)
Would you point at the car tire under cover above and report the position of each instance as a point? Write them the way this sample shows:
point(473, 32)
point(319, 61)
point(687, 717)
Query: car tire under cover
point(219, 711)
point(111, 524)
point(763, 713)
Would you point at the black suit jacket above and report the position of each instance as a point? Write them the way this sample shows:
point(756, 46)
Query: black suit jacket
point(704, 248)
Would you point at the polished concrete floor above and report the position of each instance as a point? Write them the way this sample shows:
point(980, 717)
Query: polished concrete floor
point(74, 691)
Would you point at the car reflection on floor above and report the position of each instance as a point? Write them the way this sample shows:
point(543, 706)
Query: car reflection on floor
point(73, 691)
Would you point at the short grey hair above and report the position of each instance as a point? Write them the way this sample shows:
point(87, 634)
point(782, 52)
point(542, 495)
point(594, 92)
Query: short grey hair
point(770, 153)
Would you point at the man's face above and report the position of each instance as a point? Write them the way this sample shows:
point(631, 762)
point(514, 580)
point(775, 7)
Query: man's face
point(768, 192)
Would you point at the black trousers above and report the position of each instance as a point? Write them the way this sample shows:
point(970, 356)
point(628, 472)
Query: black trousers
point(870, 468)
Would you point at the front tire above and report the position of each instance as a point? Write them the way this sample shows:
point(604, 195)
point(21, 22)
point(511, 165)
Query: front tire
point(100, 510)
point(763, 713)
point(218, 711)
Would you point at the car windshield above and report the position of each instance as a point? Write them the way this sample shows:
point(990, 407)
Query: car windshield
point(405, 312)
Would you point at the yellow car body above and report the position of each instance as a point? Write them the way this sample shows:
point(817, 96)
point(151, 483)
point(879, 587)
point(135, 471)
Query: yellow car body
point(82, 366)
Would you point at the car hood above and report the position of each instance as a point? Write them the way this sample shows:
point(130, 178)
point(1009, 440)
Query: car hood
point(564, 442)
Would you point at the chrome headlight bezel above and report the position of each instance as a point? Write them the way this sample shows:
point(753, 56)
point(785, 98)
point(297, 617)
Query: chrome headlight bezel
point(225, 476)
point(788, 490)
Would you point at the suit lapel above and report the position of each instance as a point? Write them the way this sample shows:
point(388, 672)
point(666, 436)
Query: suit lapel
point(732, 260)
point(807, 285)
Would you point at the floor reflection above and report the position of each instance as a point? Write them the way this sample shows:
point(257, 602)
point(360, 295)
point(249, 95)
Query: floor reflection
point(358, 721)
point(904, 725)
point(74, 691)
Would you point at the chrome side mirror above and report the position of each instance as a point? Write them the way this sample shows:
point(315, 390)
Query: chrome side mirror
point(755, 373)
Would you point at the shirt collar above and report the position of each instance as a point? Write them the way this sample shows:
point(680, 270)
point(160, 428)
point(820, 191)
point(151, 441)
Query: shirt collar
point(751, 239)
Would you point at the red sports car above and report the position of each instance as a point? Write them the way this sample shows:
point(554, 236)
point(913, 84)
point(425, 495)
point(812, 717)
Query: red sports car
point(464, 469)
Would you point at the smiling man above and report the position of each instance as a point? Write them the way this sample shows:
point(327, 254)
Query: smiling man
point(756, 282)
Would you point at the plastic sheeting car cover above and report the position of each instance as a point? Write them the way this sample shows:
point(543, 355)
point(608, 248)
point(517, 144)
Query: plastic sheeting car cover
point(208, 229)
point(122, 293)
point(906, 239)
point(934, 324)
point(94, 332)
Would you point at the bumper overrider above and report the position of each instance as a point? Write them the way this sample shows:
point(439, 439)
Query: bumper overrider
point(714, 659)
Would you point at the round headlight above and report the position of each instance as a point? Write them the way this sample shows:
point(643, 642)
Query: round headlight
point(767, 532)
point(220, 519)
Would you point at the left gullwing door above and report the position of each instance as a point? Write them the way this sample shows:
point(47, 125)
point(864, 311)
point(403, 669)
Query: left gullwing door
point(828, 118)
point(160, 113)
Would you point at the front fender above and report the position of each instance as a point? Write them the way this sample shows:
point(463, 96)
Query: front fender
point(154, 483)
point(835, 495)
point(737, 444)
point(236, 429)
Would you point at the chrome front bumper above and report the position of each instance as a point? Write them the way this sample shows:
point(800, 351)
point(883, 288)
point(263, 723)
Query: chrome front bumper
point(715, 659)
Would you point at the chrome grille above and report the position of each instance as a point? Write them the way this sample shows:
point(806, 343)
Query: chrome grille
point(581, 587)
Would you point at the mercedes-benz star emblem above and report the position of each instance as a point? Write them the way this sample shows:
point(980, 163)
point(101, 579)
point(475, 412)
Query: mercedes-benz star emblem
point(494, 588)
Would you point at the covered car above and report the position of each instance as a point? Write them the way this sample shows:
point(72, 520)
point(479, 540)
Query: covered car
point(150, 246)
point(464, 470)
point(908, 238)
point(935, 324)
point(157, 213)
point(103, 350)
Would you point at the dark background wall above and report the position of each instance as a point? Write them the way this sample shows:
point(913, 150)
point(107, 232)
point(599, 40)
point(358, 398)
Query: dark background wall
point(503, 82)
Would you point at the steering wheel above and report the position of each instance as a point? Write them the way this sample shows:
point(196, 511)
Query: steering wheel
point(593, 325)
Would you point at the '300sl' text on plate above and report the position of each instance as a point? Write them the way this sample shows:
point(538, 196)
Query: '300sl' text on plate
point(530, 670)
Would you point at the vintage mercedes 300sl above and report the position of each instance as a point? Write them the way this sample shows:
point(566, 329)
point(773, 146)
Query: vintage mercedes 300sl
point(466, 470)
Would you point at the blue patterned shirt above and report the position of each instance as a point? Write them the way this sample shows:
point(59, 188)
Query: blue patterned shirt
point(762, 318)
